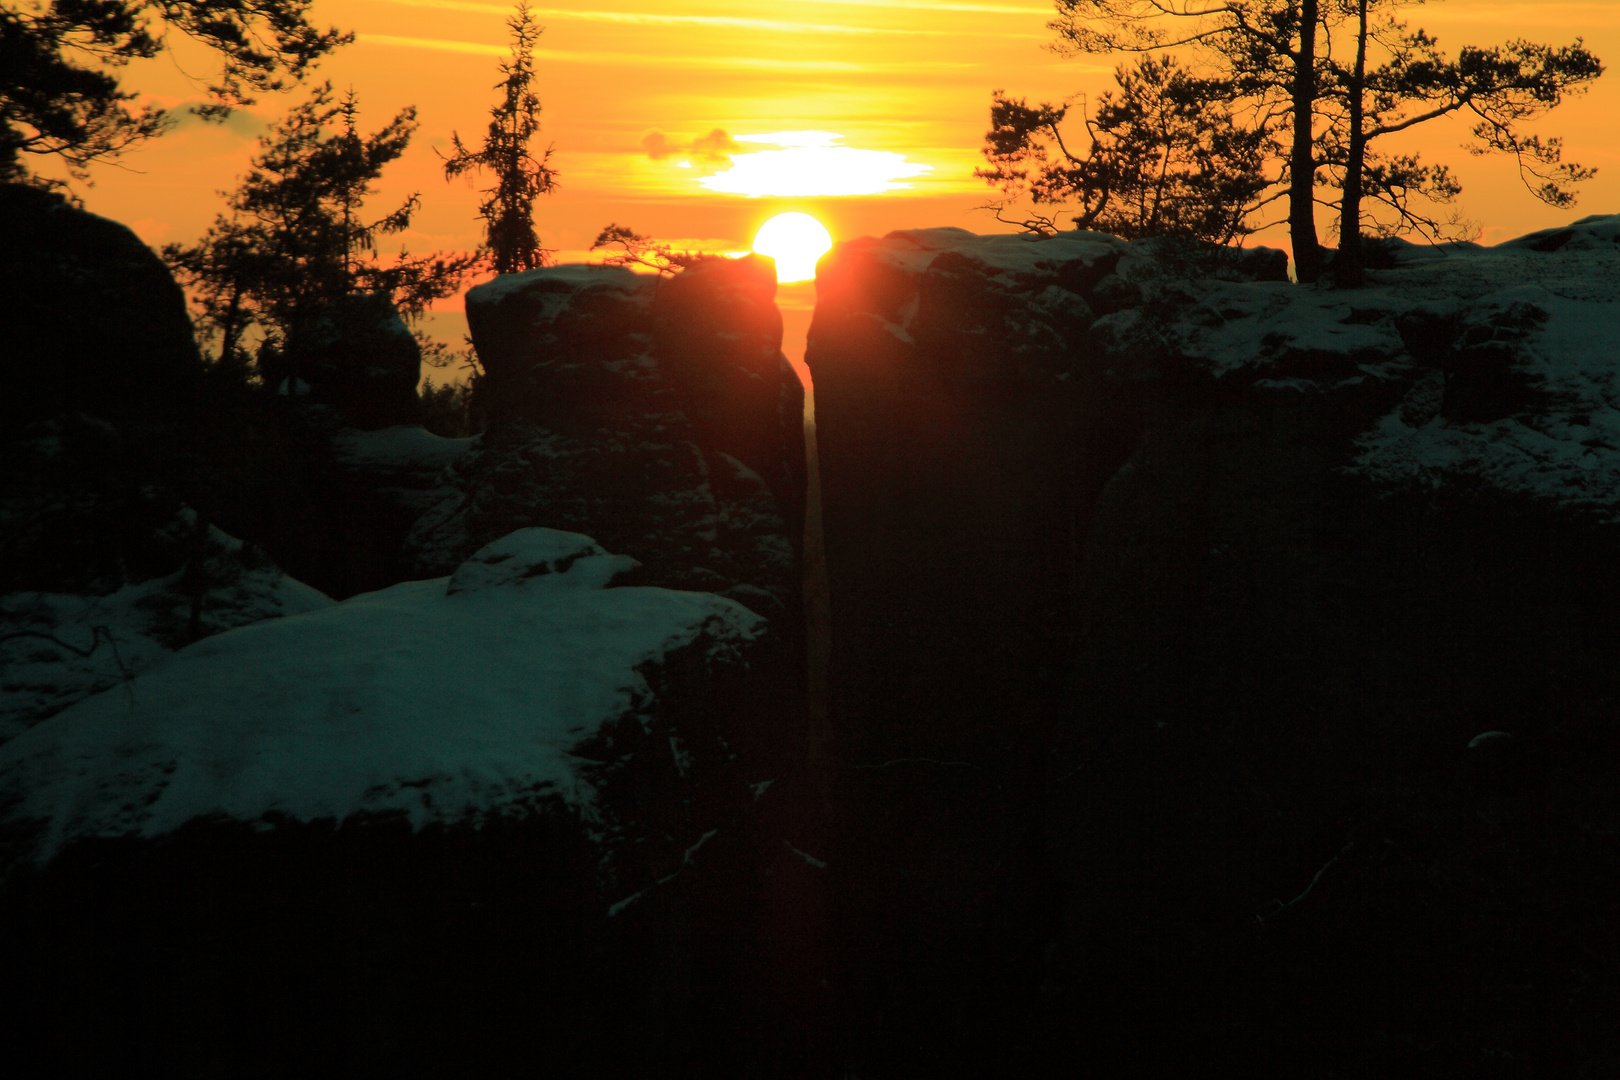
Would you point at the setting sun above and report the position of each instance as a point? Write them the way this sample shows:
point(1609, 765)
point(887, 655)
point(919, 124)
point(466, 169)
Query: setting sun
point(795, 241)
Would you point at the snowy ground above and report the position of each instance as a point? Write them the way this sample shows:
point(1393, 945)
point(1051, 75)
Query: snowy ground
point(444, 699)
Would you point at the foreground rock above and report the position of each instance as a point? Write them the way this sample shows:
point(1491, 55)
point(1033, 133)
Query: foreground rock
point(58, 648)
point(532, 781)
point(1243, 601)
point(377, 705)
point(106, 572)
point(568, 808)
point(961, 439)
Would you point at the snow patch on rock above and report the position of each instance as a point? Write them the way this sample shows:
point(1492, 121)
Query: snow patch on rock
point(571, 275)
point(1564, 448)
point(404, 446)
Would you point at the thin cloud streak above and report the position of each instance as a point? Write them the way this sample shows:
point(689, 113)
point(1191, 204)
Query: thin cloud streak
point(929, 5)
point(737, 22)
point(748, 63)
point(438, 44)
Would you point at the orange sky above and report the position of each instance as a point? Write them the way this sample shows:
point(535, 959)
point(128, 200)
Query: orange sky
point(906, 77)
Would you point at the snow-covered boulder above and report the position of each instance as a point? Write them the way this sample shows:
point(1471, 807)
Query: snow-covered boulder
point(1196, 575)
point(443, 700)
point(530, 553)
point(399, 473)
point(562, 346)
point(103, 572)
point(1528, 399)
point(1597, 233)
point(992, 310)
point(544, 796)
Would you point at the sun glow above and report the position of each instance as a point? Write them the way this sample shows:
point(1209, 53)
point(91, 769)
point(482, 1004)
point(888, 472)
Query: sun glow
point(812, 163)
point(795, 241)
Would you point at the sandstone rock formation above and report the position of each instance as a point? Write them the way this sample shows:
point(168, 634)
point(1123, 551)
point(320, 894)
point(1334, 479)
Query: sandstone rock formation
point(557, 802)
point(358, 356)
point(94, 322)
point(659, 415)
point(532, 785)
point(105, 570)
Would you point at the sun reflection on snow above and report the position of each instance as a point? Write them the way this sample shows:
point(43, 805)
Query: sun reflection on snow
point(812, 163)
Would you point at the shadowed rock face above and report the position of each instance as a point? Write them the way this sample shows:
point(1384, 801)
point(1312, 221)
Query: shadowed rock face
point(569, 845)
point(94, 322)
point(1143, 619)
point(960, 444)
point(718, 338)
point(564, 346)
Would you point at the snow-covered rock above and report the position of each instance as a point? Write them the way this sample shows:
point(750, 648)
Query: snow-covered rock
point(406, 468)
point(531, 553)
point(1529, 399)
point(444, 700)
point(103, 573)
point(1500, 360)
point(999, 309)
point(1196, 575)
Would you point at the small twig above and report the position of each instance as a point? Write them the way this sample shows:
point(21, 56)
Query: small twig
point(95, 639)
point(819, 864)
point(98, 634)
point(1282, 907)
point(686, 860)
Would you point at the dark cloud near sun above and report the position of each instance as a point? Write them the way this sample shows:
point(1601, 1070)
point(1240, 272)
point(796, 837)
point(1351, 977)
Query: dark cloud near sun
point(242, 123)
point(716, 146)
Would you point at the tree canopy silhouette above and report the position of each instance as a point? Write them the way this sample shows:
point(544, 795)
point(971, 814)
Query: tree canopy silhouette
point(60, 93)
point(1165, 158)
point(1285, 64)
point(1502, 87)
point(296, 238)
point(636, 249)
point(520, 177)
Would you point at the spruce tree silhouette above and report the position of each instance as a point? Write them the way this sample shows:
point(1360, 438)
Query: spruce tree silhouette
point(520, 177)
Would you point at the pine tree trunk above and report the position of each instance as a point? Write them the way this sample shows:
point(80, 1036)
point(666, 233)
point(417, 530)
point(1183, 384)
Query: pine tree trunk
point(1348, 270)
point(232, 330)
point(1302, 159)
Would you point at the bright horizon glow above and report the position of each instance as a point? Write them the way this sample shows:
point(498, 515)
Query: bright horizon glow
point(833, 107)
point(812, 164)
point(795, 241)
